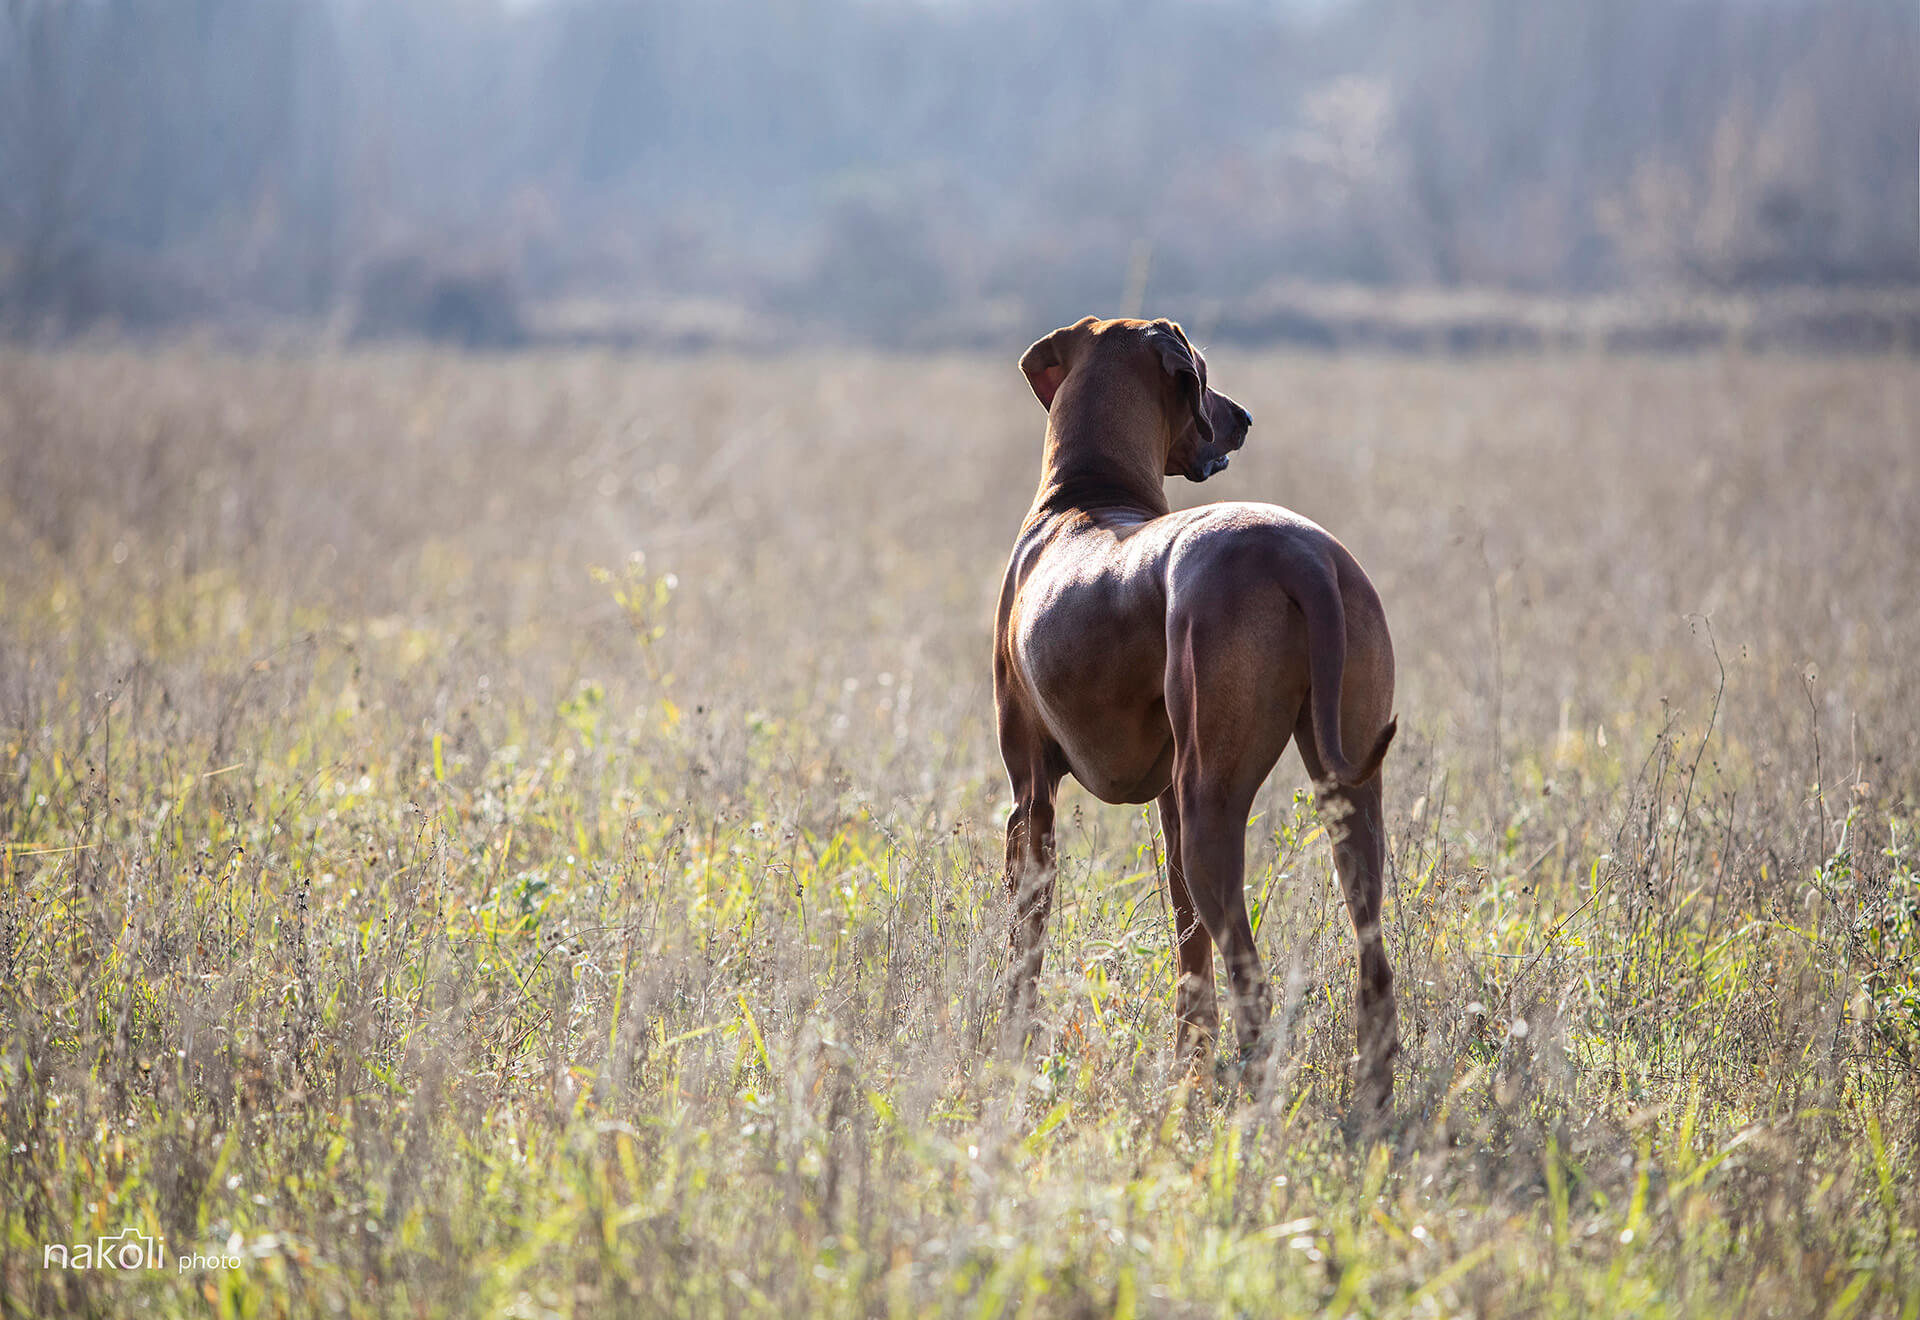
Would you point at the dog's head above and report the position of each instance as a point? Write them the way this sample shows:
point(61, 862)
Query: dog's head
point(1203, 426)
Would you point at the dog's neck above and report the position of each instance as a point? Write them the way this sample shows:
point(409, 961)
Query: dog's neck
point(1106, 453)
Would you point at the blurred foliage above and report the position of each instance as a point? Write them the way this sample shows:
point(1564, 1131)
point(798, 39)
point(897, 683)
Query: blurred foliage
point(742, 171)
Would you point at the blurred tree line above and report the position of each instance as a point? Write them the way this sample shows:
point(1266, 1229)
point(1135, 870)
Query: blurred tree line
point(929, 170)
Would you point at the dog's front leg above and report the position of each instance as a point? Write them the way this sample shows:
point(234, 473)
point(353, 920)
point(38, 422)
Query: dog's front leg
point(1029, 880)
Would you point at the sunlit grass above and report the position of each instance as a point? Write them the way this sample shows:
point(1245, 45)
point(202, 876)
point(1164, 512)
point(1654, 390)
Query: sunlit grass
point(414, 894)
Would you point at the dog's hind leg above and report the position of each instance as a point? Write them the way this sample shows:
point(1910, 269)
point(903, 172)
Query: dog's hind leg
point(1225, 740)
point(1356, 825)
point(1360, 858)
point(1214, 860)
point(1196, 1009)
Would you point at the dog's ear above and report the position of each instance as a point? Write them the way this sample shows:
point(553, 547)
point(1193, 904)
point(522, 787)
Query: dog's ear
point(1047, 362)
point(1182, 363)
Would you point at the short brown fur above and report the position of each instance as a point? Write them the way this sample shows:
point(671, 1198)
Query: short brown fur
point(1171, 657)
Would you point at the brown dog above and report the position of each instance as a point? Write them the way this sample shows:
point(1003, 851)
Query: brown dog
point(1170, 656)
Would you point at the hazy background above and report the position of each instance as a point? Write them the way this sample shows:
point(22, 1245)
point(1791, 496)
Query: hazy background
point(757, 172)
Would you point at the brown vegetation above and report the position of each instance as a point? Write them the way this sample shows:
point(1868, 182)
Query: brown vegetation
point(521, 836)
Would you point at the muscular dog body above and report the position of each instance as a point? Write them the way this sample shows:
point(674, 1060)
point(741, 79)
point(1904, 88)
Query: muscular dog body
point(1170, 657)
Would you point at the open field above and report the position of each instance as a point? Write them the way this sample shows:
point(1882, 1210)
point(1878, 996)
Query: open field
point(520, 837)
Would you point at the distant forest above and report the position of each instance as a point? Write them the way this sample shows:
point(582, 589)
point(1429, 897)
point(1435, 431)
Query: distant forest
point(913, 171)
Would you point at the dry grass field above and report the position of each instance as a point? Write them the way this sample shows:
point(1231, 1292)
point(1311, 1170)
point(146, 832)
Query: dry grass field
point(521, 836)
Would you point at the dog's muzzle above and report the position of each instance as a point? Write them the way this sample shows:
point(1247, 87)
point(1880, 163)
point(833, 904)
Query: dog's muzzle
point(1209, 466)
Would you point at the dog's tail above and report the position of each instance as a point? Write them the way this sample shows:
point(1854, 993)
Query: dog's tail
point(1317, 593)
